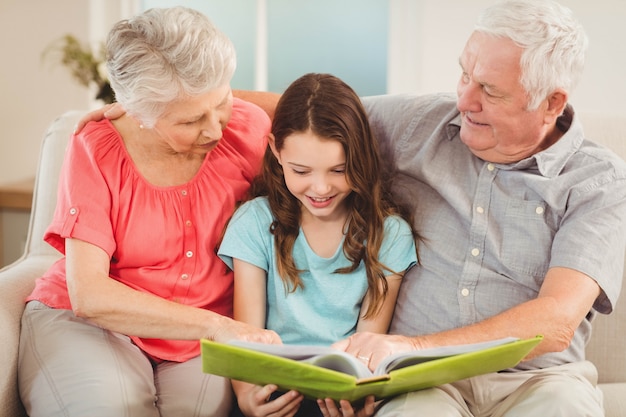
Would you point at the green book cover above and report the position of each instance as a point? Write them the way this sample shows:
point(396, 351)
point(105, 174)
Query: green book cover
point(323, 372)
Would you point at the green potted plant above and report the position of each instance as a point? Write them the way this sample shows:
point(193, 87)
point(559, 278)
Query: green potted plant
point(86, 66)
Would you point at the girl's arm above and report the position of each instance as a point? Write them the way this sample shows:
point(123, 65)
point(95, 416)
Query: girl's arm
point(380, 322)
point(250, 293)
point(249, 307)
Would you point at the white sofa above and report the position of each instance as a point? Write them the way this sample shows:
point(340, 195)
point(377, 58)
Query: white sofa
point(607, 348)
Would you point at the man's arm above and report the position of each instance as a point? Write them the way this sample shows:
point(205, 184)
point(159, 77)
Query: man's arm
point(264, 99)
point(564, 300)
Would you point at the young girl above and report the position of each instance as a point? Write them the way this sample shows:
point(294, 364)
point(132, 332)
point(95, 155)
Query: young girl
point(321, 250)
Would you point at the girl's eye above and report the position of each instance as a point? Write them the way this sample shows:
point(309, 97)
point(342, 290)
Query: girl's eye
point(299, 172)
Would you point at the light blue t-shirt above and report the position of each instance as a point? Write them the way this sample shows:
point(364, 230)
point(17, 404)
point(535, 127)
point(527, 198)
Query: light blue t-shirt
point(327, 309)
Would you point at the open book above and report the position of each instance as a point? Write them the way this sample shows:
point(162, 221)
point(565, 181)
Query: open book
point(323, 372)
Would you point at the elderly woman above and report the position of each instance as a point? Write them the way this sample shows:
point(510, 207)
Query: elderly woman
point(112, 328)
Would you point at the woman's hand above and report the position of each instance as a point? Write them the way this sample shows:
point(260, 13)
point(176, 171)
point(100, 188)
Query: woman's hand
point(329, 408)
point(110, 111)
point(254, 401)
point(227, 329)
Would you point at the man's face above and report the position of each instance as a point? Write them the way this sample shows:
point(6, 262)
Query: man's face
point(496, 126)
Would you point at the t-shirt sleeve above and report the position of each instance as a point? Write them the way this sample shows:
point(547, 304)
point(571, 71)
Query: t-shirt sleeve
point(247, 236)
point(397, 251)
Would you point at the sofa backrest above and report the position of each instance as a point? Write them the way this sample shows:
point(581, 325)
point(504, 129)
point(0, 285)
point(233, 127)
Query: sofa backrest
point(45, 193)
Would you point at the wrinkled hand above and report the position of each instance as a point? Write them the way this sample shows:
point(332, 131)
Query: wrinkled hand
point(110, 111)
point(329, 408)
point(254, 402)
point(371, 348)
point(228, 329)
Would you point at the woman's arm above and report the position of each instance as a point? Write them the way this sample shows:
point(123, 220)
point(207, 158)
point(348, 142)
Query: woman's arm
point(114, 306)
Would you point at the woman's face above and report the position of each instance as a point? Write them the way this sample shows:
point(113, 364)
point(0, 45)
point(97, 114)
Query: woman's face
point(315, 173)
point(194, 125)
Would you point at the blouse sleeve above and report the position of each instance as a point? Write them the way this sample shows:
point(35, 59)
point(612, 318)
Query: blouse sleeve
point(84, 197)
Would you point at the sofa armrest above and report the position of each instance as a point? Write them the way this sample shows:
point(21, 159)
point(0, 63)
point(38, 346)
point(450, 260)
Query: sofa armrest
point(16, 282)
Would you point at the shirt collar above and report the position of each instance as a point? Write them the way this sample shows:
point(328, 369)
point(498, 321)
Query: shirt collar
point(549, 162)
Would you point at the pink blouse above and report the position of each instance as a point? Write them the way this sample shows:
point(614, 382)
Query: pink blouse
point(161, 240)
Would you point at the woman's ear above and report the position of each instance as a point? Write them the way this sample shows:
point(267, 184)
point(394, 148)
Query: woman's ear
point(271, 140)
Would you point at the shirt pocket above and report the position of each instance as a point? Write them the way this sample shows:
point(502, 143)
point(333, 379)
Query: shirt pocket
point(527, 236)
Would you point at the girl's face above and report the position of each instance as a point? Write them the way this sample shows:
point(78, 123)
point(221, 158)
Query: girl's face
point(315, 173)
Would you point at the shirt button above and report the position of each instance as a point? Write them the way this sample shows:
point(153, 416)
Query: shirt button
point(464, 292)
point(184, 192)
point(475, 252)
point(73, 211)
point(480, 210)
point(539, 210)
point(184, 276)
point(189, 254)
point(491, 167)
point(188, 223)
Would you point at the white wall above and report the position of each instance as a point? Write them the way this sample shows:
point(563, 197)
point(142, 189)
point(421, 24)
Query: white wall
point(440, 28)
point(32, 92)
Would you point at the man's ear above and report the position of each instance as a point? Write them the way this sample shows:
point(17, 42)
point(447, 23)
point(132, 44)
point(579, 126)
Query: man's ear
point(271, 140)
point(556, 101)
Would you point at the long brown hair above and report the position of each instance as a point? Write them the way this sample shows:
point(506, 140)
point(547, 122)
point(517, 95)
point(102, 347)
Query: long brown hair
point(329, 108)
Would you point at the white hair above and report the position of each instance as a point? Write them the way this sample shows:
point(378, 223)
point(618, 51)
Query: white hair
point(165, 54)
point(554, 43)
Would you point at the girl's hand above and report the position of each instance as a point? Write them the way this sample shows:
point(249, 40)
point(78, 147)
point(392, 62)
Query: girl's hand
point(254, 401)
point(329, 408)
point(110, 111)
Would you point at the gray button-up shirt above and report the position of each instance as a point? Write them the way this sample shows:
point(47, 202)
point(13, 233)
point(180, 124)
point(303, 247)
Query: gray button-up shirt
point(491, 231)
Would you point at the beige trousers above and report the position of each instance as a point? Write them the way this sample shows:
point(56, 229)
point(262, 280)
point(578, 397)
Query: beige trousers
point(565, 391)
point(69, 367)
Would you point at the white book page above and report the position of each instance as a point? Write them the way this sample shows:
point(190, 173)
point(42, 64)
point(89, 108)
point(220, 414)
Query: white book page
point(404, 359)
point(329, 358)
point(322, 356)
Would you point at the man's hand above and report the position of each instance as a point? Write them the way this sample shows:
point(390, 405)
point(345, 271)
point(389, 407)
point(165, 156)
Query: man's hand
point(371, 348)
